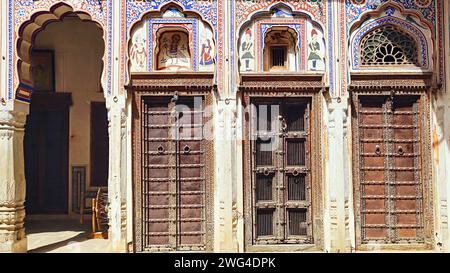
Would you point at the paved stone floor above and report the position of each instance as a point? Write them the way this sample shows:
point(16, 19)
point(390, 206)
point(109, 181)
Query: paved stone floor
point(61, 234)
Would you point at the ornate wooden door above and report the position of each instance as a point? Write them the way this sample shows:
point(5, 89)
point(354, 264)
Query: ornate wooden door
point(390, 170)
point(281, 196)
point(172, 175)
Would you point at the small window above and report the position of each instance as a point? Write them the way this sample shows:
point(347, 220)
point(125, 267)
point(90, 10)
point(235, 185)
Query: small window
point(279, 49)
point(278, 57)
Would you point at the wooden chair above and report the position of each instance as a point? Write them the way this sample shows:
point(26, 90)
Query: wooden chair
point(86, 196)
point(100, 219)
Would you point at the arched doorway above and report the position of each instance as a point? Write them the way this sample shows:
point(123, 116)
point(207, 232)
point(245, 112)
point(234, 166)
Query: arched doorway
point(66, 145)
point(67, 102)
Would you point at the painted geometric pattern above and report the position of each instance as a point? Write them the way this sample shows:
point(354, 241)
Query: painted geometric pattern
point(355, 8)
point(23, 9)
point(245, 8)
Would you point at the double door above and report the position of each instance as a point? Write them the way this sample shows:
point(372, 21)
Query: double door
point(281, 174)
point(390, 170)
point(172, 174)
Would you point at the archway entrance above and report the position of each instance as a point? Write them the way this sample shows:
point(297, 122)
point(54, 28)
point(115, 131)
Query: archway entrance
point(66, 145)
point(66, 137)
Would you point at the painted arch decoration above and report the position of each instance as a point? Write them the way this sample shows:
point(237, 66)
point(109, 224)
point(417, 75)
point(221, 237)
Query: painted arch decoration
point(245, 9)
point(422, 15)
point(144, 20)
point(391, 16)
point(171, 40)
point(306, 54)
point(28, 17)
point(356, 8)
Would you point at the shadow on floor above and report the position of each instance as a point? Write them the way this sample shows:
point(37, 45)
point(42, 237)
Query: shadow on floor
point(62, 244)
point(62, 234)
point(40, 224)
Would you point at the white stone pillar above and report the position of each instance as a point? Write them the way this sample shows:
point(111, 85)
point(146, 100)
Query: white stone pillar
point(224, 239)
point(117, 175)
point(12, 177)
point(223, 205)
point(337, 168)
point(117, 117)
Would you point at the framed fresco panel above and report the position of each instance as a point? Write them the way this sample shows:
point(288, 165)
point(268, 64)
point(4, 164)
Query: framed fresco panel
point(43, 69)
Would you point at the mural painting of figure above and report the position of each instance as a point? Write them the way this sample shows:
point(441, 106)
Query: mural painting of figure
point(314, 50)
point(206, 58)
point(247, 50)
point(175, 53)
point(138, 52)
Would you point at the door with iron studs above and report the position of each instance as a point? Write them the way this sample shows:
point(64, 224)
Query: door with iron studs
point(390, 170)
point(172, 166)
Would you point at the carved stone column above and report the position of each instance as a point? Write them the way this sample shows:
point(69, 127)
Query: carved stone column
point(12, 181)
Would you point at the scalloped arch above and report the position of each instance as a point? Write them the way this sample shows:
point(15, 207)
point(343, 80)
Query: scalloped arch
point(381, 9)
point(425, 46)
point(27, 34)
point(160, 11)
point(266, 11)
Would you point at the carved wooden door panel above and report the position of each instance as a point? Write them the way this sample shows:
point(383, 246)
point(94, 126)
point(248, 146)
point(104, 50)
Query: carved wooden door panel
point(172, 174)
point(391, 190)
point(281, 205)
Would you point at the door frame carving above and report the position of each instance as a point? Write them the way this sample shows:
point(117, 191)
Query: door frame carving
point(288, 85)
point(395, 84)
point(167, 85)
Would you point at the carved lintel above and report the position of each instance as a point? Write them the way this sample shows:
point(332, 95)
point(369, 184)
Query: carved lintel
point(398, 83)
point(154, 82)
point(281, 82)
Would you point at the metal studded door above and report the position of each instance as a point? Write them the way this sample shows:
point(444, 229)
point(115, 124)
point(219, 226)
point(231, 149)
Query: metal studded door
point(390, 170)
point(172, 204)
point(281, 201)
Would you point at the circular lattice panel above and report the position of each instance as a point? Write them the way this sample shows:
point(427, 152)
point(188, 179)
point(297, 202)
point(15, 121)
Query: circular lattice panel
point(388, 45)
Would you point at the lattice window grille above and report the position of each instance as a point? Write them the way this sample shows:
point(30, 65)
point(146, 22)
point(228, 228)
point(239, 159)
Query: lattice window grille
point(387, 46)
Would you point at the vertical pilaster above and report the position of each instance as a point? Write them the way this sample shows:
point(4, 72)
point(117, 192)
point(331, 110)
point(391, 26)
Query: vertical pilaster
point(337, 178)
point(117, 116)
point(446, 122)
point(223, 197)
point(12, 178)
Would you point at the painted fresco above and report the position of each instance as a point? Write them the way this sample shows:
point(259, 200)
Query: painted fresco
point(209, 46)
point(315, 49)
point(191, 50)
point(139, 51)
point(173, 51)
point(306, 51)
point(207, 49)
point(247, 51)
